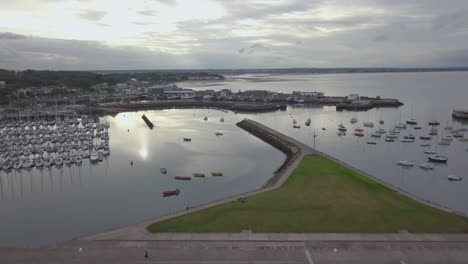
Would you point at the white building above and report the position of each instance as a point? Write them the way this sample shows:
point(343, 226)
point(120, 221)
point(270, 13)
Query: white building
point(2, 84)
point(353, 97)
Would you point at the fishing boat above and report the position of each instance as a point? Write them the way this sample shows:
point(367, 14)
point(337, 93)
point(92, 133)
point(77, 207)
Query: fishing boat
point(172, 192)
point(187, 139)
point(381, 131)
point(389, 140)
point(376, 135)
point(371, 143)
point(163, 170)
point(368, 124)
point(412, 121)
point(296, 126)
point(221, 120)
point(417, 127)
point(400, 126)
point(341, 127)
point(410, 136)
point(359, 129)
point(353, 120)
point(206, 118)
point(392, 136)
point(454, 178)
point(199, 174)
point(407, 140)
point(216, 173)
point(307, 123)
point(341, 133)
point(381, 122)
point(434, 123)
point(218, 133)
point(183, 178)
point(438, 158)
point(426, 166)
point(294, 121)
point(424, 138)
point(405, 163)
point(359, 134)
point(459, 135)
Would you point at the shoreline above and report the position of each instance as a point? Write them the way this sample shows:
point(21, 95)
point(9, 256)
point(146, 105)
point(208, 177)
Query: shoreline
point(295, 152)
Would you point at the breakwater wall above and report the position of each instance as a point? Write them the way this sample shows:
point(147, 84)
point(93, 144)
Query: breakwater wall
point(236, 107)
point(291, 147)
point(363, 105)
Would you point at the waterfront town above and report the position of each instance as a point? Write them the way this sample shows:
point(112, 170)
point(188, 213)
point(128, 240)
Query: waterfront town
point(52, 101)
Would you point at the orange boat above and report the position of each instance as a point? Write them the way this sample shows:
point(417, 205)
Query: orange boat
point(173, 192)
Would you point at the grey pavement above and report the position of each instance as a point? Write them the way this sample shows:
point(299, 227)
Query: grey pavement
point(241, 252)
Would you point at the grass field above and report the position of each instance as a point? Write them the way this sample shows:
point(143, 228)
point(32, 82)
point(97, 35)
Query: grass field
point(320, 196)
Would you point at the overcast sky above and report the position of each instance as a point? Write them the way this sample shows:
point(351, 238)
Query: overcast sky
point(161, 34)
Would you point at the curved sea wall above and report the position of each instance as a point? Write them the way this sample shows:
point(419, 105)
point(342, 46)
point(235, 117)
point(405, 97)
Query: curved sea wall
point(293, 149)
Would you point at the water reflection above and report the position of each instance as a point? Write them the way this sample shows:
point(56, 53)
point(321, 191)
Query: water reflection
point(85, 199)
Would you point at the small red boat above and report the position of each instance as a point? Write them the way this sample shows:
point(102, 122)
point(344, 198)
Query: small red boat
point(173, 192)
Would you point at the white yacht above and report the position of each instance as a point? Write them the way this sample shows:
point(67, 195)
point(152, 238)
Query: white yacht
point(454, 178)
point(426, 166)
point(78, 160)
point(94, 157)
point(17, 165)
point(28, 163)
point(438, 158)
point(39, 163)
point(405, 163)
point(400, 126)
point(368, 124)
point(58, 161)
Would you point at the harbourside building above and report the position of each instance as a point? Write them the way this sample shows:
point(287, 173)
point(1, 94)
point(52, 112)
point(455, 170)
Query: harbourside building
point(2, 84)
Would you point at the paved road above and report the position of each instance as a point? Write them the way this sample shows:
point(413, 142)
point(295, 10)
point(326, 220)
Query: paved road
point(240, 252)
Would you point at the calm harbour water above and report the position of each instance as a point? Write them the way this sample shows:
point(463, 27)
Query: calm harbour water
point(43, 207)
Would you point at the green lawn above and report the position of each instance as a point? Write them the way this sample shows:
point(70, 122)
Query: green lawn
point(320, 196)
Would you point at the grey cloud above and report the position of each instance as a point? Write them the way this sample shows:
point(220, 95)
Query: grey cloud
point(8, 35)
point(253, 49)
point(380, 38)
point(147, 13)
point(93, 15)
point(167, 2)
point(44, 53)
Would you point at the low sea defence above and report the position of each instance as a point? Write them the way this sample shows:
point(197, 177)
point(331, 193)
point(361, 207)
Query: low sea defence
point(236, 107)
point(362, 105)
point(293, 149)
